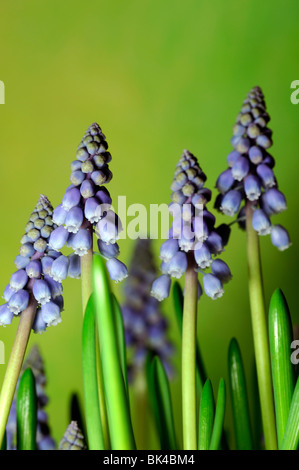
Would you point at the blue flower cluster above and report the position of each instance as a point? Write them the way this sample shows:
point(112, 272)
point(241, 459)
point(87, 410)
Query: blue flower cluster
point(250, 175)
point(86, 209)
point(44, 441)
point(193, 238)
point(32, 277)
point(145, 325)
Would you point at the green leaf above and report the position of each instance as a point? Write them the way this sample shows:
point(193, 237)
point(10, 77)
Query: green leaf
point(291, 436)
point(219, 417)
point(4, 442)
point(90, 381)
point(239, 397)
point(280, 337)
point(118, 409)
point(120, 331)
point(206, 416)
point(26, 412)
point(160, 400)
point(178, 300)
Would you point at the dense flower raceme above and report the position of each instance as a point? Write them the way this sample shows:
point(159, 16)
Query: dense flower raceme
point(193, 237)
point(146, 327)
point(250, 175)
point(86, 209)
point(33, 264)
point(44, 441)
point(73, 438)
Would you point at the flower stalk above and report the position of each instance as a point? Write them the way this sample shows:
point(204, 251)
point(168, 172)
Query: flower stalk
point(260, 333)
point(15, 363)
point(189, 358)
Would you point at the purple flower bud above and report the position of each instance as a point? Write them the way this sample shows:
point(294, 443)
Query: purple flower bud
point(264, 141)
point(59, 215)
point(34, 269)
point(109, 227)
point(230, 203)
point(82, 242)
point(212, 286)
point(117, 270)
point(87, 189)
point(74, 270)
point(252, 187)
point(21, 261)
point(39, 326)
point(55, 287)
point(269, 161)
point(60, 268)
point(261, 222)
point(280, 237)
point(266, 175)
point(75, 165)
point(19, 301)
point(8, 292)
point(221, 270)
point(77, 177)
point(46, 263)
point(71, 198)
point(161, 287)
point(41, 291)
point(108, 251)
point(18, 280)
point(215, 243)
point(232, 157)
point(50, 313)
point(58, 238)
point(93, 210)
point(74, 219)
point(168, 249)
point(275, 200)
point(178, 265)
point(27, 250)
point(240, 168)
point(225, 181)
point(6, 315)
point(60, 302)
point(103, 196)
point(255, 155)
point(203, 256)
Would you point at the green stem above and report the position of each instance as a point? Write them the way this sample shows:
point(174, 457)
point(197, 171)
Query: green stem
point(260, 333)
point(87, 289)
point(189, 358)
point(86, 278)
point(15, 363)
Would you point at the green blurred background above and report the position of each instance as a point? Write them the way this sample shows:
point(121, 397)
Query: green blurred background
point(159, 76)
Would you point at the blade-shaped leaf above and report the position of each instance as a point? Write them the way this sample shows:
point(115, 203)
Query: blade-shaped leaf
point(219, 417)
point(26, 412)
point(280, 338)
point(239, 397)
point(291, 436)
point(119, 326)
point(206, 416)
point(90, 381)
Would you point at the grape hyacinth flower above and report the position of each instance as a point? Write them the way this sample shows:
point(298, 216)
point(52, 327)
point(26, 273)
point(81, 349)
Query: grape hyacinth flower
point(145, 325)
point(193, 242)
point(196, 239)
point(249, 177)
point(44, 440)
point(248, 190)
point(86, 210)
point(73, 438)
point(33, 266)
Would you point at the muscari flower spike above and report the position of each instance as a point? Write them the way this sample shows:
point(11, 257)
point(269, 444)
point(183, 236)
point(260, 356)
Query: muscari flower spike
point(145, 325)
point(86, 209)
point(33, 265)
point(250, 175)
point(44, 441)
point(73, 438)
point(193, 233)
